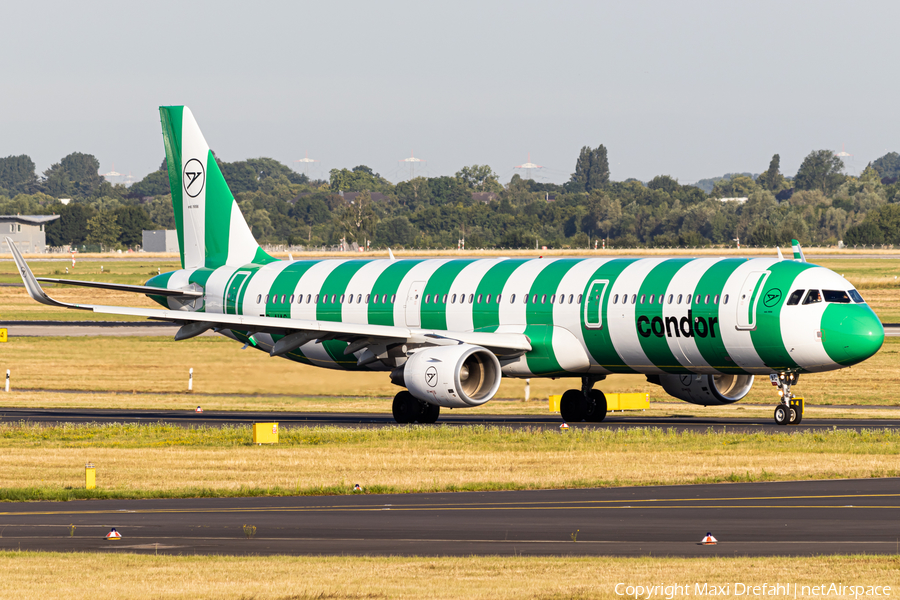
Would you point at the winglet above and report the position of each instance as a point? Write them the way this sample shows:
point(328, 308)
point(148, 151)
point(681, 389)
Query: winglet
point(780, 255)
point(798, 251)
point(391, 254)
point(31, 285)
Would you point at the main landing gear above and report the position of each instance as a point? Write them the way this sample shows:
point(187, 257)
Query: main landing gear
point(408, 409)
point(586, 404)
point(790, 410)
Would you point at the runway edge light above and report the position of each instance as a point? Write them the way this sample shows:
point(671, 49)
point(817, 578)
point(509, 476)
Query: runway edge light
point(709, 540)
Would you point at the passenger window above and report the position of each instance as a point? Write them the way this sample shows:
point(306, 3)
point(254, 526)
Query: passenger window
point(444, 300)
point(358, 298)
point(642, 298)
point(367, 298)
point(512, 298)
point(498, 298)
point(488, 299)
point(479, 298)
point(544, 299)
point(856, 297)
point(393, 298)
point(525, 299)
point(679, 299)
point(579, 298)
point(716, 299)
point(634, 298)
point(652, 298)
point(725, 299)
point(453, 299)
point(471, 297)
point(670, 298)
point(553, 299)
point(534, 299)
point(707, 299)
point(350, 299)
point(688, 298)
point(267, 298)
point(812, 296)
point(427, 298)
point(571, 298)
point(259, 299)
point(838, 296)
point(308, 296)
point(615, 299)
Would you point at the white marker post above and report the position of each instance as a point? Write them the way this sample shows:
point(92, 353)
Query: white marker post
point(191, 380)
point(7, 380)
point(527, 390)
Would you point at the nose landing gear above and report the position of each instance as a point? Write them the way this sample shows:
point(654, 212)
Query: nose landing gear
point(790, 410)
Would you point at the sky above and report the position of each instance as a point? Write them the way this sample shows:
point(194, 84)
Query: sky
point(691, 89)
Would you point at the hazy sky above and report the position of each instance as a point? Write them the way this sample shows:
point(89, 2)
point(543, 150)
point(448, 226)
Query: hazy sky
point(689, 89)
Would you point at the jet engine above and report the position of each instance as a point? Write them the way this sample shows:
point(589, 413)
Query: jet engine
point(453, 376)
point(707, 390)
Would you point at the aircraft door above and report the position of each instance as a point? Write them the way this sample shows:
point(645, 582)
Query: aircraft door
point(748, 298)
point(413, 302)
point(233, 294)
point(593, 304)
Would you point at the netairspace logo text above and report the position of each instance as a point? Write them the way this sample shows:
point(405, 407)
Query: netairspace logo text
point(795, 590)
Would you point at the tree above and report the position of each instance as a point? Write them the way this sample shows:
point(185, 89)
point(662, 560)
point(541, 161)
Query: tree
point(820, 170)
point(71, 226)
point(772, 179)
point(154, 184)
point(888, 165)
point(75, 175)
point(479, 177)
point(396, 231)
point(17, 175)
point(132, 220)
point(592, 168)
point(103, 229)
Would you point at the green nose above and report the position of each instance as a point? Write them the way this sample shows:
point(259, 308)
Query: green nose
point(851, 333)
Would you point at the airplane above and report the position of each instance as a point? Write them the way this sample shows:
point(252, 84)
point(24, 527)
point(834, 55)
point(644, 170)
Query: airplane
point(448, 330)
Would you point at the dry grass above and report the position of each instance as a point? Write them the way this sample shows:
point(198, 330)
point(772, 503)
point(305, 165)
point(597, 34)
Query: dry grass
point(155, 364)
point(86, 576)
point(137, 460)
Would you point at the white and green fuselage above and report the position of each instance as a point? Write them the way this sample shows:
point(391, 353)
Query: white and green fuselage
point(582, 315)
point(449, 329)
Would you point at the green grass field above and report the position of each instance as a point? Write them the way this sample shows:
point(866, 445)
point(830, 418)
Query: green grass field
point(42, 462)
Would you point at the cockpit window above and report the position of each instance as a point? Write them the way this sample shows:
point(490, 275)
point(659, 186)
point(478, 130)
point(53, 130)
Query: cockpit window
point(795, 298)
point(812, 296)
point(856, 297)
point(836, 296)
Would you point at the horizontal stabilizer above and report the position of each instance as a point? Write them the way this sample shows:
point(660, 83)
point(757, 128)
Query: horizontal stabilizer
point(122, 287)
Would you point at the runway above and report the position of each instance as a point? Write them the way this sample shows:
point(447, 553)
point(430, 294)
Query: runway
point(189, 418)
point(788, 518)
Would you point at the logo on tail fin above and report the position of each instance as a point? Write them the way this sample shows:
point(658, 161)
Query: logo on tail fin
point(194, 178)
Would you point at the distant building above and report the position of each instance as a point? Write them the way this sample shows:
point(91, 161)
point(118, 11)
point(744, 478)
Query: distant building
point(740, 200)
point(27, 232)
point(159, 240)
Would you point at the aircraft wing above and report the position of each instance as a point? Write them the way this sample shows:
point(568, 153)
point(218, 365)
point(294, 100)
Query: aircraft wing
point(122, 287)
point(360, 335)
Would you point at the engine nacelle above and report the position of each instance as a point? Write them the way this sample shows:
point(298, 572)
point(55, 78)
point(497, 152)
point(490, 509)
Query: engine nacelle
point(453, 376)
point(707, 390)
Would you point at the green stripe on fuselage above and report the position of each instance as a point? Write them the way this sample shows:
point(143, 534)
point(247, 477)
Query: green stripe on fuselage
point(707, 331)
point(382, 312)
point(656, 345)
point(598, 341)
point(434, 312)
point(487, 317)
point(767, 338)
point(539, 317)
point(331, 303)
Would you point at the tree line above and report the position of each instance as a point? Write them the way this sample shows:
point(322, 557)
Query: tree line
point(819, 205)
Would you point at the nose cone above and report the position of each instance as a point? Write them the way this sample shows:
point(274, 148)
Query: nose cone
point(851, 333)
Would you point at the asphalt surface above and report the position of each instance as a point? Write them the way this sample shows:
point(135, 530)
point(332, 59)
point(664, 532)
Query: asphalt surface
point(790, 518)
point(189, 418)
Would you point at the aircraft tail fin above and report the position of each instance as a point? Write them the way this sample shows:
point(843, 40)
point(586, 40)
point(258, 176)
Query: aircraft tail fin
point(212, 231)
point(798, 251)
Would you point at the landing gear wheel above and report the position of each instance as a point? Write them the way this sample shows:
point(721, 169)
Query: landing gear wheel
point(782, 414)
point(406, 408)
point(596, 406)
point(796, 416)
point(573, 406)
point(429, 414)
